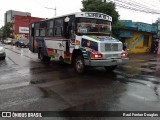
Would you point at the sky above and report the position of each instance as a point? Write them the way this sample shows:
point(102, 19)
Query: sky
point(37, 9)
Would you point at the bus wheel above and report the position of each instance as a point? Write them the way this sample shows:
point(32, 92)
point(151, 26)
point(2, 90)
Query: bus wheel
point(110, 68)
point(48, 59)
point(42, 57)
point(79, 64)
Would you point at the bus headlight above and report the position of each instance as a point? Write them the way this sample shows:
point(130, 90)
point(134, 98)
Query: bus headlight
point(96, 56)
point(124, 53)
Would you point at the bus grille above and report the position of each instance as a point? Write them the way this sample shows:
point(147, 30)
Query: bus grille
point(106, 47)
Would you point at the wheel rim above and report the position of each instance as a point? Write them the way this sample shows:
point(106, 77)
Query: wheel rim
point(79, 65)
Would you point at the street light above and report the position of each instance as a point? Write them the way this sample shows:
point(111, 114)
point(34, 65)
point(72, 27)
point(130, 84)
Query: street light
point(28, 17)
point(52, 9)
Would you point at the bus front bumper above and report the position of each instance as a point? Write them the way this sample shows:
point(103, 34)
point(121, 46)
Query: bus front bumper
point(103, 63)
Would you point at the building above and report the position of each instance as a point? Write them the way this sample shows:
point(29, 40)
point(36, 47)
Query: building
point(9, 15)
point(138, 36)
point(21, 21)
point(21, 25)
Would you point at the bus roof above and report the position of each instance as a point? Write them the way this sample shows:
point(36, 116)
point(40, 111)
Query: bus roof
point(95, 15)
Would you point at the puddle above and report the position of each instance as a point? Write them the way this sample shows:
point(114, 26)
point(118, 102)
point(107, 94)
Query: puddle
point(38, 81)
point(47, 92)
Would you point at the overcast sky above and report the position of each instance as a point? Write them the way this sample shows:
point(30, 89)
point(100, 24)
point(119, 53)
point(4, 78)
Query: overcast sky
point(37, 9)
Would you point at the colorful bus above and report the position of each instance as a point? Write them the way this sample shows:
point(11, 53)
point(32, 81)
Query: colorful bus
point(82, 39)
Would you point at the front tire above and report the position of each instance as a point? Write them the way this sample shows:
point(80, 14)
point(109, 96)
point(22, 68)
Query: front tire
point(79, 64)
point(110, 68)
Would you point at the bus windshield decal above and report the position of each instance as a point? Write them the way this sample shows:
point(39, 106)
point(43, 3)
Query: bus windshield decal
point(93, 26)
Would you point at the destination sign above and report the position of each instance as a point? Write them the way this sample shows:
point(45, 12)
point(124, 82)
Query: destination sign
point(95, 15)
point(98, 15)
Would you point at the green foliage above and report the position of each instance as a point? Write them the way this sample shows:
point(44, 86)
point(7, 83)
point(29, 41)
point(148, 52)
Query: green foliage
point(155, 24)
point(7, 30)
point(116, 28)
point(108, 8)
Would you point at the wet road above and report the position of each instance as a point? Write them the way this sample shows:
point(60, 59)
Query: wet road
point(26, 84)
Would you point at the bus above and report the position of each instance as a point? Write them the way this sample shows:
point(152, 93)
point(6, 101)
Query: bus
point(82, 39)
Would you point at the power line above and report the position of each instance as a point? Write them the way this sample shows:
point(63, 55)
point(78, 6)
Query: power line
point(157, 3)
point(134, 6)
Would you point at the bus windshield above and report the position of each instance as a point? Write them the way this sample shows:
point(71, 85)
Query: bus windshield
point(93, 26)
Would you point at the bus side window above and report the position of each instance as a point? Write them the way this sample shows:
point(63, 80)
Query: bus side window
point(58, 28)
point(42, 29)
point(49, 31)
point(58, 31)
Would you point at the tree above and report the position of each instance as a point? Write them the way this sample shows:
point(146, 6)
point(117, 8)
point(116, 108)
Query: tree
point(116, 28)
point(103, 7)
point(7, 30)
point(108, 8)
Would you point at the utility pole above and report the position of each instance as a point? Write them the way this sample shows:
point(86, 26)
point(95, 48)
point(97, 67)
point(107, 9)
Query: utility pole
point(52, 9)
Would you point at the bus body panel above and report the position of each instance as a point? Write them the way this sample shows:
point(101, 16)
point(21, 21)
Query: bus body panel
point(56, 47)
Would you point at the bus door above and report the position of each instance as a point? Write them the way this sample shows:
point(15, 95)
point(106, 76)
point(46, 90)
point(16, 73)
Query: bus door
point(69, 33)
point(67, 29)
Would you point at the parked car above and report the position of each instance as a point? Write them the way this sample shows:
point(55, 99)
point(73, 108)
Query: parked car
point(22, 42)
point(7, 40)
point(2, 52)
point(14, 41)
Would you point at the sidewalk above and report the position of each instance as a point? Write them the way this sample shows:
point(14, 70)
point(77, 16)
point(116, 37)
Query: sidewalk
point(142, 64)
point(143, 55)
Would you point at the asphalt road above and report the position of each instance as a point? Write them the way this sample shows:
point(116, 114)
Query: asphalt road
point(26, 84)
